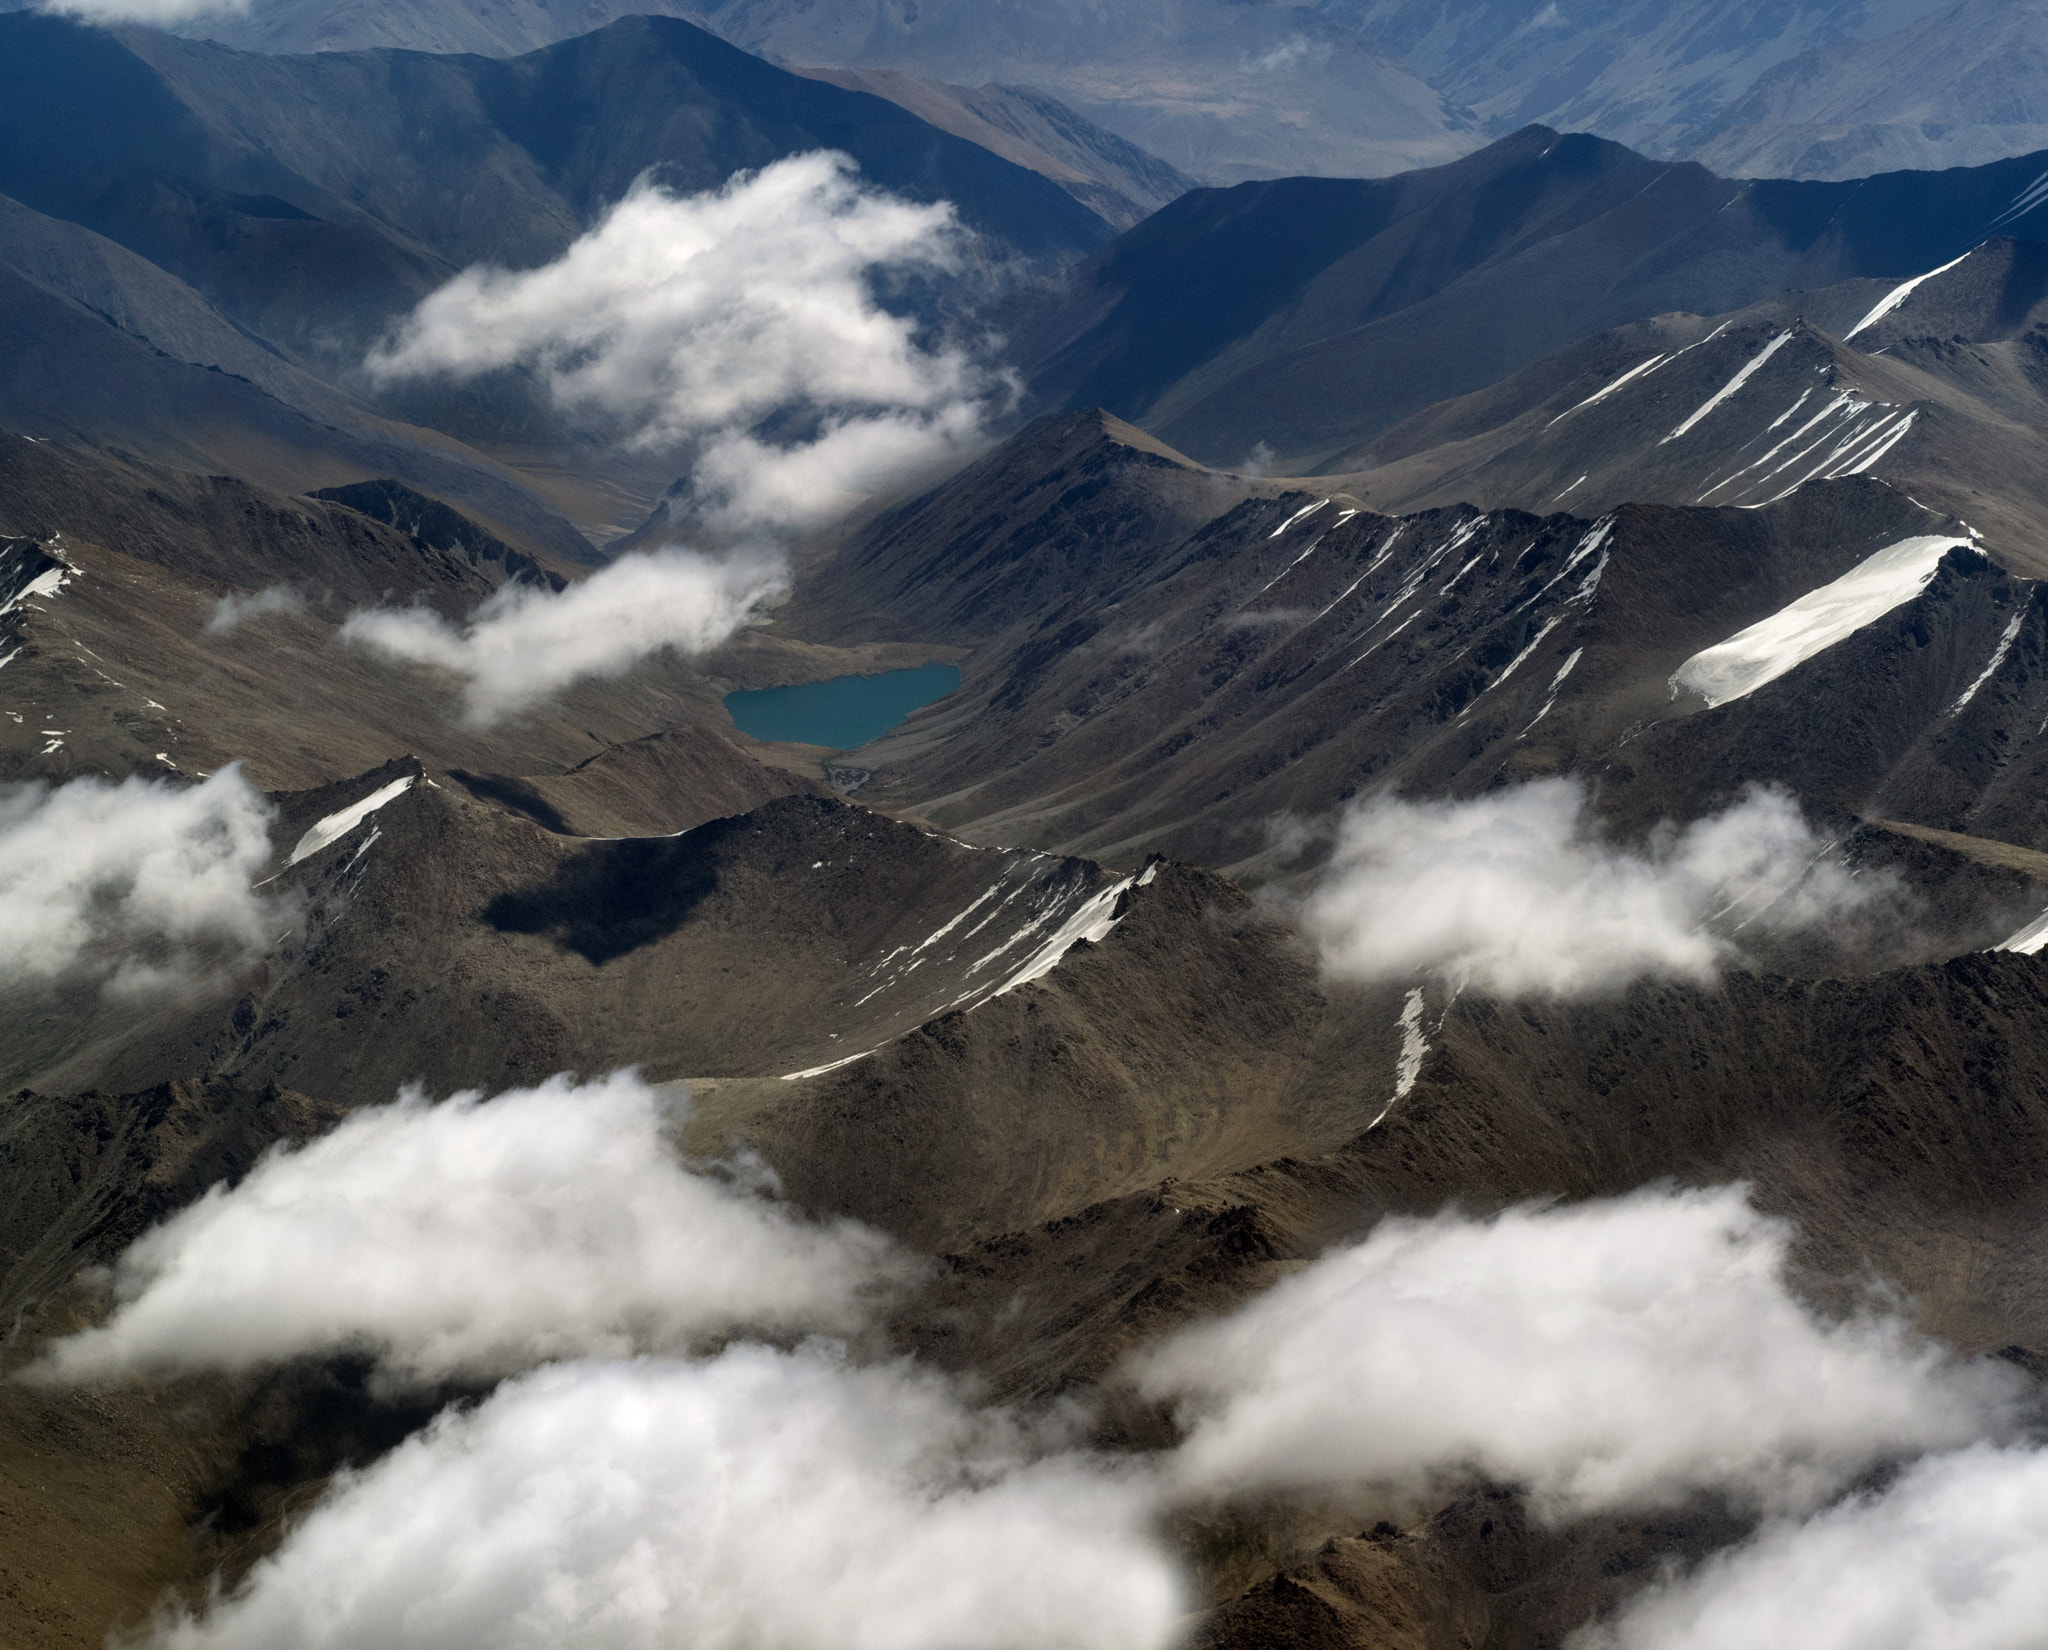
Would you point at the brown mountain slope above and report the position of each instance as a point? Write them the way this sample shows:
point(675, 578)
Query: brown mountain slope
point(1139, 684)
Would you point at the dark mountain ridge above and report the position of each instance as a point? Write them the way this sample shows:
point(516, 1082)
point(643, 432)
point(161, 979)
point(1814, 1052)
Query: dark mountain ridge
point(387, 171)
point(1310, 314)
point(184, 207)
point(1191, 675)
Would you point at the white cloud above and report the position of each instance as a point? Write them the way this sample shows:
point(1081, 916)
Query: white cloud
point(1294, 53)
point(743, 483)
point(758, 1499)
point(1952, 1556)
point(145, 885)
point(234, 607)
point(523, 644)
point(475, 1237)
point(691, 319)
point(144, 11)
point(1518, 893)
point(1606, 1354)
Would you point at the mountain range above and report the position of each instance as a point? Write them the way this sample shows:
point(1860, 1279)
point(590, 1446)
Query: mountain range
point(1440, 1042)
point(1365, 87)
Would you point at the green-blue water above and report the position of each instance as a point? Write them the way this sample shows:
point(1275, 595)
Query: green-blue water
point(842, 713)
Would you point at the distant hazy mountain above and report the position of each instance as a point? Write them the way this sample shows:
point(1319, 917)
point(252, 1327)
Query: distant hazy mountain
point(1961, 87)
point(1649, 73)
point(496, 28)
point(1228, 90)
point(1222, 90)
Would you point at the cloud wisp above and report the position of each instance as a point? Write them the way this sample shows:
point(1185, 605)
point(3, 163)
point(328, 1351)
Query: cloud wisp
point(740, 329)
point(146, 886)
point(757, 1498)
point(1948, 1557)
point(474, 1238)
point(525, 645)
point(1621, 1353)
point(1519, 894)
point(157, 13)
point(229, 612)
point(685, 322)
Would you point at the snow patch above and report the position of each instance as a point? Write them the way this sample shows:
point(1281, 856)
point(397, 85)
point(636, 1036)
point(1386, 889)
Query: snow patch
point(1586, 546)
point(1766, 650)
point(1556, 682)
point(1789, 411)
point(2022, 203)
point(1515, 663)
point(1414, 1046)
point(1898, 295)
point(938, 934)
point(1092, 922)
point(1304, 512)
point(47, 584)
point(1291, 566)
point(338, 825)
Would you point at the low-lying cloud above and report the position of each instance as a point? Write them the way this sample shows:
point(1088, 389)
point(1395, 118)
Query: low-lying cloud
point(144, 885)
point(1519, 893)
point(687, 321)
point(472, 1238)
point(759, 1498)
point(524, 645)
point(1619, 1353)
point(1949, 1557)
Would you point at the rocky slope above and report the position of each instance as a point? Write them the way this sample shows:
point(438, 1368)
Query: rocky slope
point(1208, 688)
point(1740, 411)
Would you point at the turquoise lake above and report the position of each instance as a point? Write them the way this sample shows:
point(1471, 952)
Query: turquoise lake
point(842, 713)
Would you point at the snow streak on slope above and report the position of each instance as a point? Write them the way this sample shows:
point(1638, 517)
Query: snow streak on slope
point(1898, 295)
point(338, 825)
point(1017, 930)
point(27, 572)
point(1729, 389)
point(46, 583)
point(1414, 1049)
point(1605, 391)
point(1998, 654)
point(1845, 437)
point(1815, 622)
point(1641, 370)
point(2028, 941)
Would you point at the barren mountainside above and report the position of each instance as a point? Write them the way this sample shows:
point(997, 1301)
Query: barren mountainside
point(1438, 1046)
